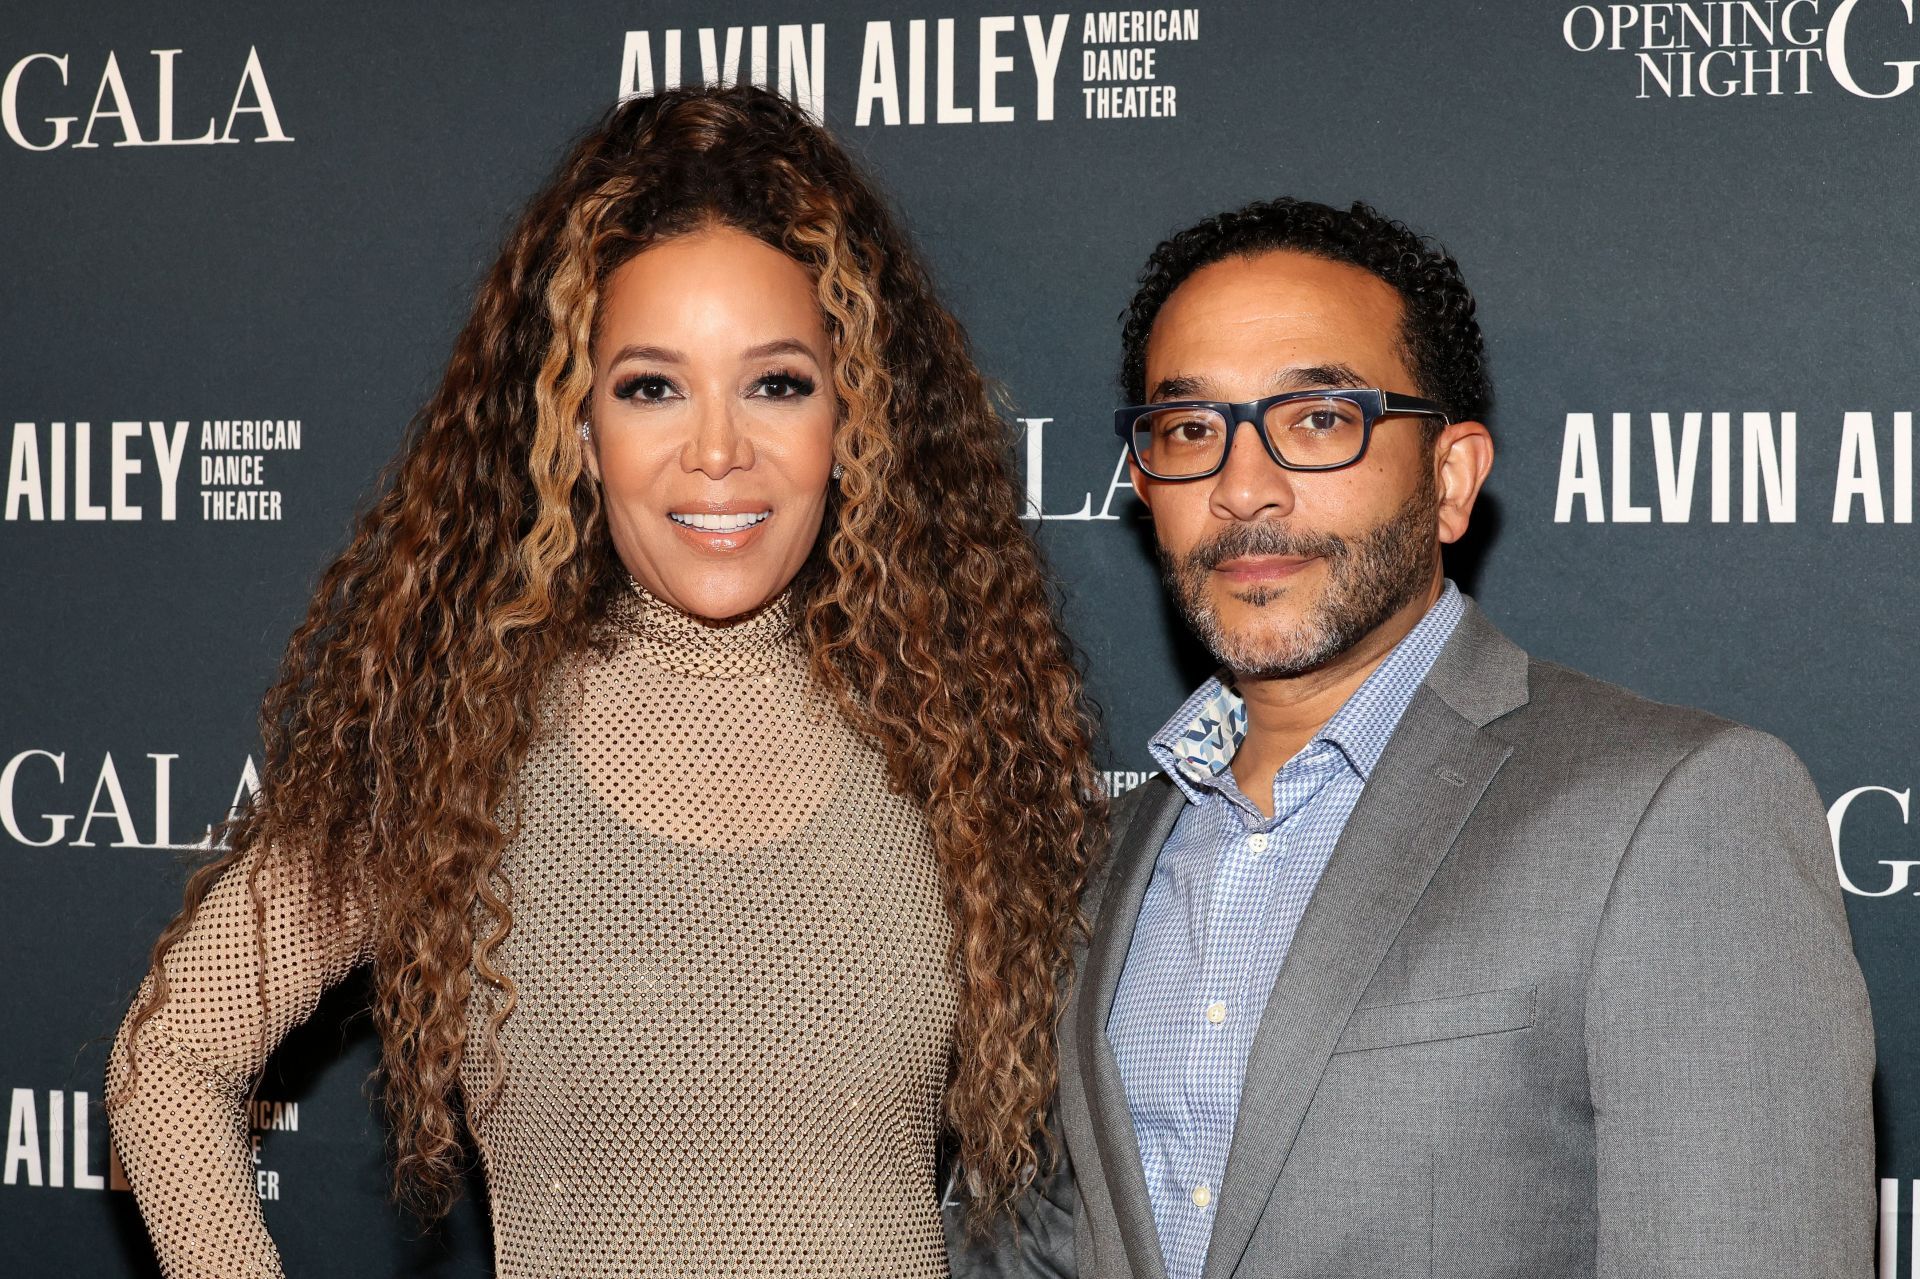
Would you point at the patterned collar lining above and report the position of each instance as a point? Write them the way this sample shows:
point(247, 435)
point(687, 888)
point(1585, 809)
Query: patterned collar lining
point(1197, 745)
point(1212, 732)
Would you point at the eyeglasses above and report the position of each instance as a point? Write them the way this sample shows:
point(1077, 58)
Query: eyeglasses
point(1302, 430)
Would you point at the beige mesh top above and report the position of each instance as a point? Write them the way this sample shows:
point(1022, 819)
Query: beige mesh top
point(735, 1000)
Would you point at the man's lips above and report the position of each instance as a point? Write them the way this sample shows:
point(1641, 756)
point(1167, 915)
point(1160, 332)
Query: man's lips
point(1263, 568)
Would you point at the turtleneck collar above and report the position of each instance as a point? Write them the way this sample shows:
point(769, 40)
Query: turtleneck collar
point(664, 636)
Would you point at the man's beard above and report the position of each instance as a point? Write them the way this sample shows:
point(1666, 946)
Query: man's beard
point(1367, 582)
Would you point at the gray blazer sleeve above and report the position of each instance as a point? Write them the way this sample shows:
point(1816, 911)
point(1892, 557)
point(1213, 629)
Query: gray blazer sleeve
point(1729, 1044)
point(1036, 1243)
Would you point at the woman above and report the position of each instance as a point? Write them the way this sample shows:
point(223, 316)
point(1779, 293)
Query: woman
point(686, 742)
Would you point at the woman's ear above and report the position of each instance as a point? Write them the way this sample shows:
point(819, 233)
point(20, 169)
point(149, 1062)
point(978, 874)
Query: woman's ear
point(589, 450)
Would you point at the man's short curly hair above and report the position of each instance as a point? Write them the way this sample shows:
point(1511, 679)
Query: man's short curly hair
point(1438, 332)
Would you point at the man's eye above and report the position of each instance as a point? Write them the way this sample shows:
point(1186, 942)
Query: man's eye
point(1188, 429)
point(1322, 420)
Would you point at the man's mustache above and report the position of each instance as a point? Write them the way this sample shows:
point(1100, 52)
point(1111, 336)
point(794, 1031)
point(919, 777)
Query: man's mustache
point(1263, 539)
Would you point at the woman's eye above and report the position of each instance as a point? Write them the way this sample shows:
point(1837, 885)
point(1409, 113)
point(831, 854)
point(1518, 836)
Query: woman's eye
point(646, 389)
point(783, 386)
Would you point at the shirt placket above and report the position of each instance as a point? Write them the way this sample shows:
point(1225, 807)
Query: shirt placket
point(1235, 981)
point(1216, 1053)
point(1294, 792)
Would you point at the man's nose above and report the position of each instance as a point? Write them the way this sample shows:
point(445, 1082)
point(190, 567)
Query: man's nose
point(1251, 485)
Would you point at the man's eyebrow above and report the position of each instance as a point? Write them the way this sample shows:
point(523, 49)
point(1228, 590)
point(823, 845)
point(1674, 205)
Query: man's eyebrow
point(1307, 377)
point(1314, 376)
point(1179, 387)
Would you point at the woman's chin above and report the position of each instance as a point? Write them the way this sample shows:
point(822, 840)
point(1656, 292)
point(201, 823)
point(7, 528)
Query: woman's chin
point(716, 597)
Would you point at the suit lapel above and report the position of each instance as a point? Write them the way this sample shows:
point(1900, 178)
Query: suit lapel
point(1133, 860)
point(1425, 786)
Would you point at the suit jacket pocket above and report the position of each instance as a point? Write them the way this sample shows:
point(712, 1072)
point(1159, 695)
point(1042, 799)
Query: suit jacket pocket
point(1447, 1017)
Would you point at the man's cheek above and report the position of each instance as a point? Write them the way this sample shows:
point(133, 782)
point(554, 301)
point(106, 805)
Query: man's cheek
point(1174, 541)
point(1186, 531)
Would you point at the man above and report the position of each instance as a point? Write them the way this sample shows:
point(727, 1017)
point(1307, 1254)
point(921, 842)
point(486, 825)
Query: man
point(1420, 956)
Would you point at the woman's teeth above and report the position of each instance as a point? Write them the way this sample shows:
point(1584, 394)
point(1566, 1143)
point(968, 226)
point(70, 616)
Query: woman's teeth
point(719, 523)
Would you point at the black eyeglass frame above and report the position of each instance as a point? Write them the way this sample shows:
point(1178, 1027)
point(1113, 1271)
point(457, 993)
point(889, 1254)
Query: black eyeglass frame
point(1372, 402)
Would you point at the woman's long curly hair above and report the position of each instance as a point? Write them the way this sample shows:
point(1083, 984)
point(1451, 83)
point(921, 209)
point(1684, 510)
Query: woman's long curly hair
point(411, 693)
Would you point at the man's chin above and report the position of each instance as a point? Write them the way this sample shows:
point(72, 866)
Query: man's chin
point(1266, 639)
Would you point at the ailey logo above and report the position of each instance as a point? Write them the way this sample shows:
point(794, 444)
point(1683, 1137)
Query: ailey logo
point(41, 97)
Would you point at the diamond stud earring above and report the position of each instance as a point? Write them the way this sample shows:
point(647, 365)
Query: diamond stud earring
point(838, 470)
point(586, 429)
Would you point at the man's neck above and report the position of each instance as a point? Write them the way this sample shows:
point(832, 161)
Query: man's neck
point(1284, 712)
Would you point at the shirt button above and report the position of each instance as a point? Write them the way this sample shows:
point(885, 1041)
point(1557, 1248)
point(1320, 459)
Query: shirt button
point(1202, 1196)
point(1258, 843)
point(1216, 1012)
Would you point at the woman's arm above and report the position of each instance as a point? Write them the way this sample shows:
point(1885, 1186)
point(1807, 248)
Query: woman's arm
point(251, 966)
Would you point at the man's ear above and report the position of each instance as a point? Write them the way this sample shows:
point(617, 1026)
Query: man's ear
point(1462, 456)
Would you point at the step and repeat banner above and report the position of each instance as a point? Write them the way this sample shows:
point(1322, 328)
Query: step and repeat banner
point(236, 242)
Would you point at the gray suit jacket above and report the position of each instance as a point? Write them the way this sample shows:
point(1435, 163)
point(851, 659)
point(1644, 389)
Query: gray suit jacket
point(1574, 997)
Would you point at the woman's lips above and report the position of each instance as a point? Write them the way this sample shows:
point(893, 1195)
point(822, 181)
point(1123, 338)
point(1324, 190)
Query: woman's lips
point(721, 540)
point(720, 521)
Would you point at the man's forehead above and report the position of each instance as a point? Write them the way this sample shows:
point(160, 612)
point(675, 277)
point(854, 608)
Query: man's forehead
point(1281, 290)
point(1258, 317)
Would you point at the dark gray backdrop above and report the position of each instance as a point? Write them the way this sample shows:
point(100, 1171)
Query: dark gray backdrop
point(1637, 249)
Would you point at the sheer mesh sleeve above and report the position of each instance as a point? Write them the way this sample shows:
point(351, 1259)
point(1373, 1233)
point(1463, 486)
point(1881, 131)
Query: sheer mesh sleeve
point(180, 1085)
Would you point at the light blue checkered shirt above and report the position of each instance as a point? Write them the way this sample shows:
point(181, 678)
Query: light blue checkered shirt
point(1227, 893)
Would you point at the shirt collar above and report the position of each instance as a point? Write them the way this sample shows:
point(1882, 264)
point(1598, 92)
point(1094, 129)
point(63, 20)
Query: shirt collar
point(1197, 745)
